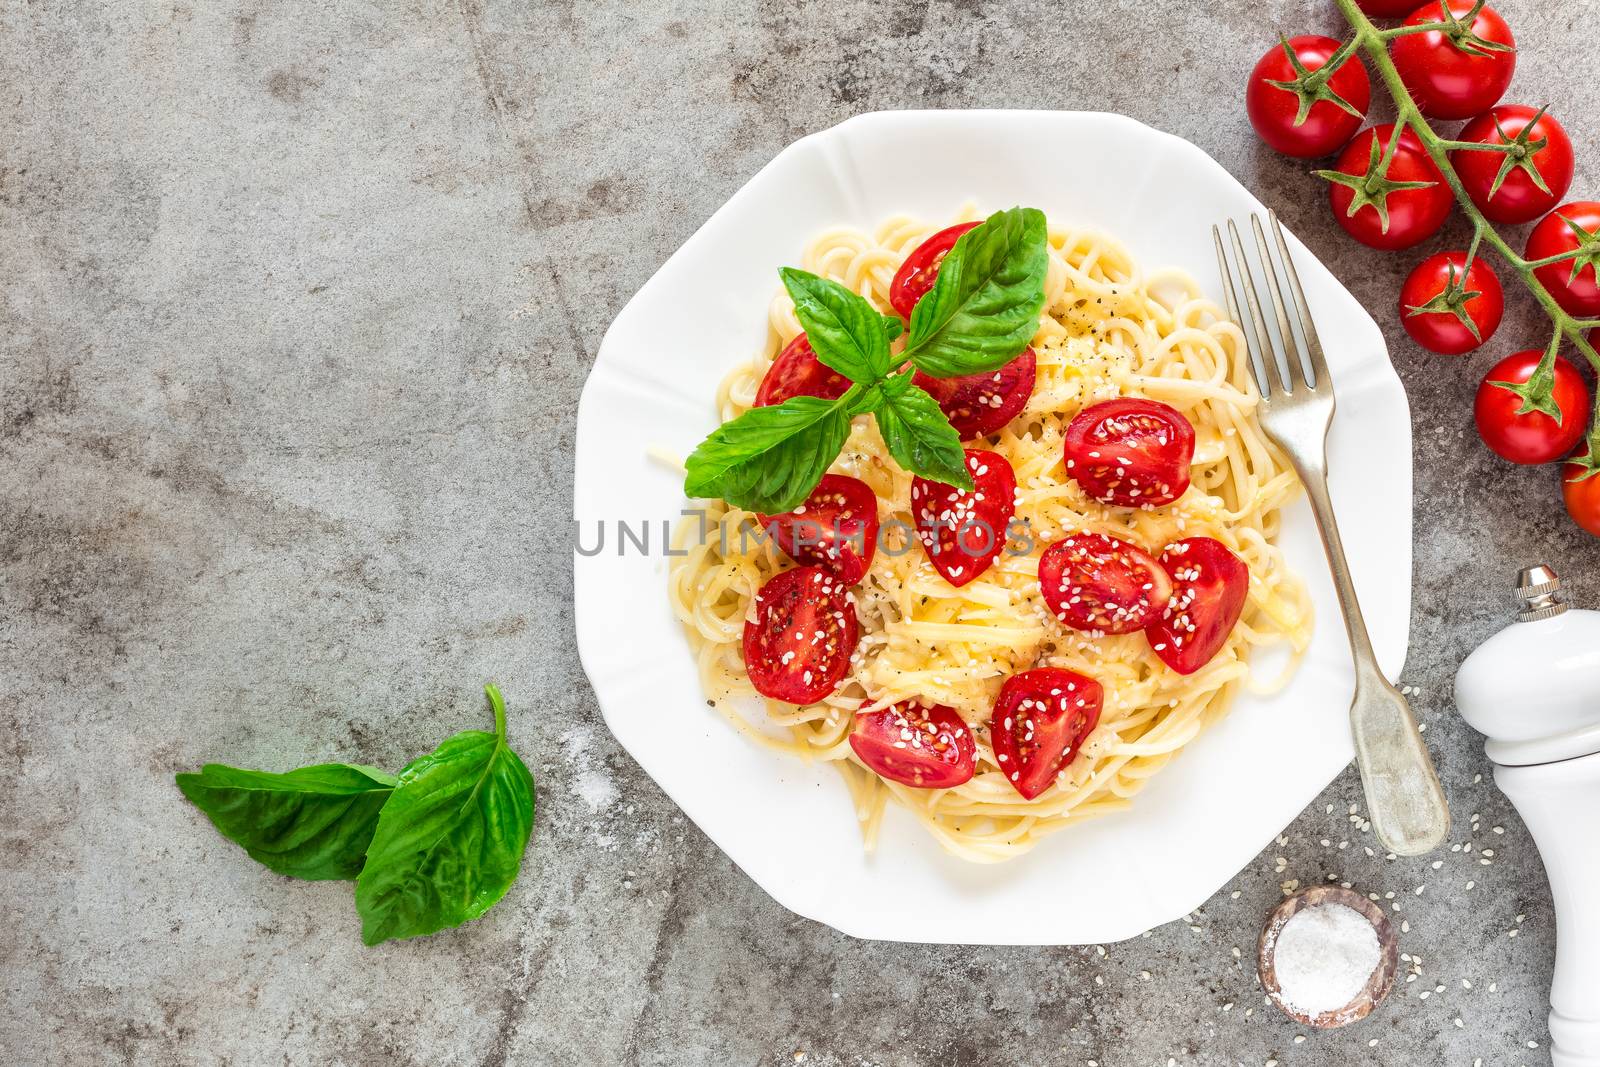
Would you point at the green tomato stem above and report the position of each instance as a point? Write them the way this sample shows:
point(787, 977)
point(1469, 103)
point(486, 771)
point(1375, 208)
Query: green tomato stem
point(1374, 42)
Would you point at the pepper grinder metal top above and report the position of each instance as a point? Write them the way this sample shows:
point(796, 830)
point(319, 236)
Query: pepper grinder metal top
point(1538, 594)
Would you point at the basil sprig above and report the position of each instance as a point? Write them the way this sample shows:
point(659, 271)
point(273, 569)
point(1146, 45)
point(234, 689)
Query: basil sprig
point(980, 313)
point(435, 847)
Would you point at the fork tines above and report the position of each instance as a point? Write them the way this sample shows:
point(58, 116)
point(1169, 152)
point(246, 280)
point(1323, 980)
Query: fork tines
point(1265, 356)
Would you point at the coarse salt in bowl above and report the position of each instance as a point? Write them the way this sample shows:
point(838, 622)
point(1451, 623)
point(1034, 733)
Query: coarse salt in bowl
point(1327, 956)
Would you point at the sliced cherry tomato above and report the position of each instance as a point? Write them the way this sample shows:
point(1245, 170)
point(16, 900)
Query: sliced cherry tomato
point(979, 404)
point(1534, 437)
point(1277, 92)
point(1387, 9)
point(1040, 719)
point(1104, 584)
point(964, 533)
point(836, 528)
point(1575, 283)
point(915, 276)
point(915, 744)
point(1209, 589)
point(1459, 73)
point(1434, 293)
point(1582, 496)
point(798, 643)
point(1519, 198)
point(1130, 452)
point(798, 372)
point(1414, 214)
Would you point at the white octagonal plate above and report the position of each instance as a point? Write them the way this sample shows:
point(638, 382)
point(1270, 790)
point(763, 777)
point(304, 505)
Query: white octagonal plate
point(789, 824)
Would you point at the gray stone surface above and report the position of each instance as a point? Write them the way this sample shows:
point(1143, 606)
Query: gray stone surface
point(298, 299)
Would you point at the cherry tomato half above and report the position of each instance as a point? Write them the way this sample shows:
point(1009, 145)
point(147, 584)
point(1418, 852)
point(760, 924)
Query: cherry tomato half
point(1582, 496)
point(916, 275)
point(920, 745)
point(1414, 214)
point(1209, 587)
point(1273, 108)
point(1104, 584)
point(964, 533)
point(979, 404)
point(1130, 452)
point(1442, 330)
point(1575, 283)
point(836, 528)
point(798, 372)
point(1519, 198)
point(798, 643)
point(1040, 720)
point(1534, 437)
point(1453, 76)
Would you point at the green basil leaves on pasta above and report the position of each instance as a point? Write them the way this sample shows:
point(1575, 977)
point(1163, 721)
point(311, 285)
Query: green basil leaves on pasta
point(432, 848)
point(770, 458)
point(980, 314)
point(312, 823)
point(918, 435)
point(984, 306)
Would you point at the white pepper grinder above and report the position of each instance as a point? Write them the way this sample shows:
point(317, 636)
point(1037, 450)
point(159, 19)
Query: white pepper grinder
point(1534, 689)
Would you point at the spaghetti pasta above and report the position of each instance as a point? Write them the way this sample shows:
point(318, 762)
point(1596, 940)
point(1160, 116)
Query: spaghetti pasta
point(1106, 331)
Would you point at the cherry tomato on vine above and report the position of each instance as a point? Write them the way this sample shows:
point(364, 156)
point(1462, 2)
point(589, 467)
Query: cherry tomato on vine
point(1395, 206)
point(1533, 437)
point(1574, 282)
point(1520, 172)
point(1582, 496)
point(1299, 112)
point(1439, 299)
point(1457, 72)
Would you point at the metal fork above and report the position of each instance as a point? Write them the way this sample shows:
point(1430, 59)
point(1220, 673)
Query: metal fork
point(1404, 798)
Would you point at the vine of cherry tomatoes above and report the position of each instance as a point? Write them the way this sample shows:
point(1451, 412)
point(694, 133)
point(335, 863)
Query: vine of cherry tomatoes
point(1308, 97)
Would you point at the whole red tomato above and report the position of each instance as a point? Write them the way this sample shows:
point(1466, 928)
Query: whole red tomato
point(1458, 73)
point(1582, 496)
point(1519, 198)
point(1278, 93)
point(1437, 289)
point(1574, 282)
point(1360, 181)
point(1386, 9)
point(1534, 437)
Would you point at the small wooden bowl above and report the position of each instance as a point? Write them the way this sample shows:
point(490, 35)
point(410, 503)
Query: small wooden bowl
point(1378, 983)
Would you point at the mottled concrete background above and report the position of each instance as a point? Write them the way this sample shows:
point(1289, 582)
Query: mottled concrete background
point(298, 299)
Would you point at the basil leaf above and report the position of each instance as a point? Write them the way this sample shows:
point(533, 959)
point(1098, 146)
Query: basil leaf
point(892, 327)
point(450, 840)
point(313, 823)
point(769, 459)
point(917, 433)
point(845, 331)
point(984, 305)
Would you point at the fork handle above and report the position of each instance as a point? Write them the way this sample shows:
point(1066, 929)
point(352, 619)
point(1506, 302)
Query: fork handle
point(1404, 797)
